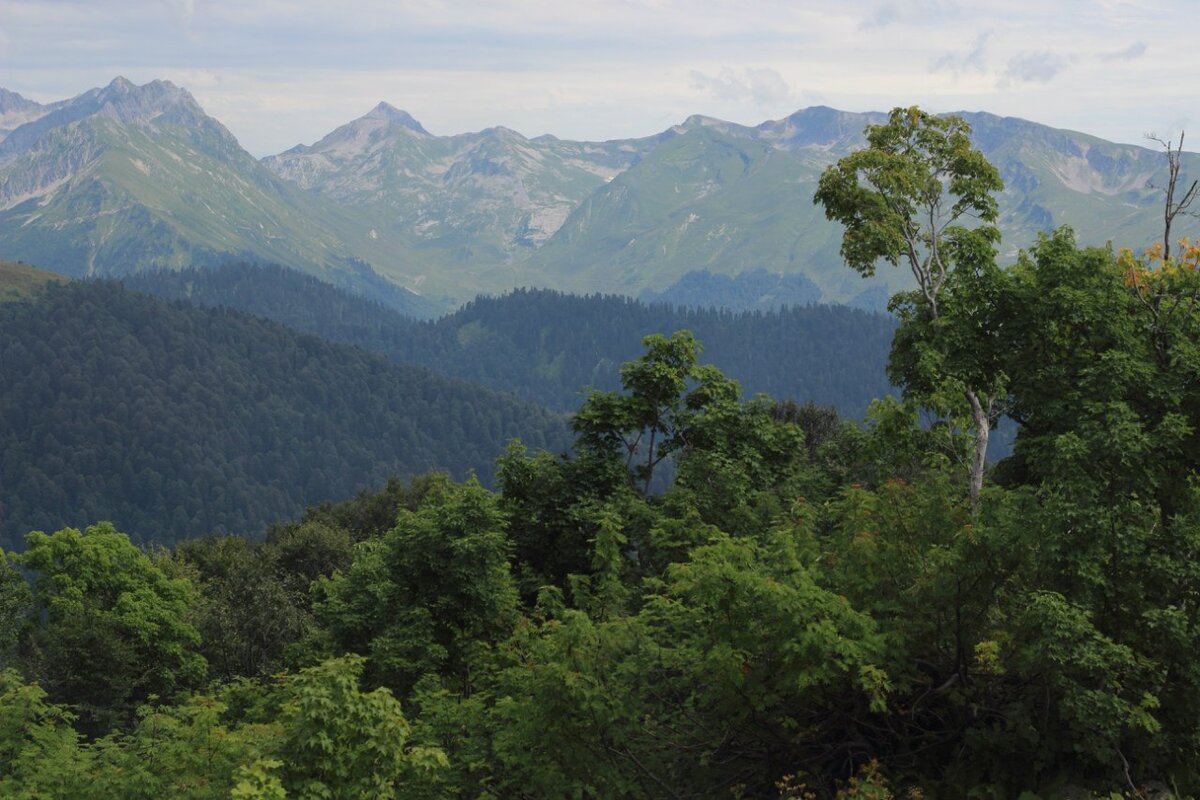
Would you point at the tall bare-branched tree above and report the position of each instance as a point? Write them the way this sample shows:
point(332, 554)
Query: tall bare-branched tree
point(1173, 205)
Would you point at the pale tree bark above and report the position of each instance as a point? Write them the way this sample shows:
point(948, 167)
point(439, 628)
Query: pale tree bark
point(930, 273)
point(981, 417)
point(905, 198)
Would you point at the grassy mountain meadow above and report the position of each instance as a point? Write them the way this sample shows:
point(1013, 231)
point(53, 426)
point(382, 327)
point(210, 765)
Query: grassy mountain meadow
point(127, 178)
point(21, 281)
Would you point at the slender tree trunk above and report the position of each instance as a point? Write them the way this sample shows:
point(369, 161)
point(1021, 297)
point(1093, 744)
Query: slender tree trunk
point(649, 463)
point(981, 418)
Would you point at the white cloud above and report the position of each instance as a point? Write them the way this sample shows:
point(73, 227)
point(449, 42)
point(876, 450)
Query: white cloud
point(183, 11)
point(971, 60)
point(881, 17)
point(1041, 67)
point(908, 12)
point(765, 88)
point(1135, 50)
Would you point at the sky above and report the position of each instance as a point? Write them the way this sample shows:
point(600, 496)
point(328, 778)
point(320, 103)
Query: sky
point(280, 73)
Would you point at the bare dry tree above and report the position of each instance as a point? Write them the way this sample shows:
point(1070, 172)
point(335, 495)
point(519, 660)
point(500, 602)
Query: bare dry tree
point(1173, 208)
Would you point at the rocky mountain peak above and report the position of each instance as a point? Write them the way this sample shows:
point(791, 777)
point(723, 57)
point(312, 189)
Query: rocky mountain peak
point(156, 102)
point(819, 126)
point(16, 111)
point(129, 102)
point(12, 102)
point(121, 84)
point(501, 132)
point(396, 116)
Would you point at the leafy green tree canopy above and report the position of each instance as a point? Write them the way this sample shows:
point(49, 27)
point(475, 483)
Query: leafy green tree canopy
point(666, 394)
point(892, 198)
point(920, 194)
point(117, 629)
point(429, 593)
point(346, 744)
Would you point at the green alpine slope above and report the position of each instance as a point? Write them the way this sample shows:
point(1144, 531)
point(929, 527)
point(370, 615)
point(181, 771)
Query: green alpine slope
point(468, 209)
point(21, 281)
point(129, 177)
point(728, 199)
point(704, 200)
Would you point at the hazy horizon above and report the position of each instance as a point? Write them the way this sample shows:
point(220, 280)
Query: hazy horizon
point(281, 74)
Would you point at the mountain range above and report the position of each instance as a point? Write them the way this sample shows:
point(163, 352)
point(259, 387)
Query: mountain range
point(126, 178)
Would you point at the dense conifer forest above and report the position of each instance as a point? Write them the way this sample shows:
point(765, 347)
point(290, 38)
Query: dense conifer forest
point(173, 421)
point(548, 347)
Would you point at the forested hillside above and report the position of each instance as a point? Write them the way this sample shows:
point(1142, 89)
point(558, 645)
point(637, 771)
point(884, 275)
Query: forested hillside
point(173, 421)
point(812, 610)
point(827, 355)
point(547, 347)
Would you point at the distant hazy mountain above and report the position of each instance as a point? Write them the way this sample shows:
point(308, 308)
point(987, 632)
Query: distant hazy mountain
point(727, 199)
point(131, 177)
point(16, 110)
point(1105, 191)
point(125, 178)
point(715, 197)
point(494, 210)
point(468, 208)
